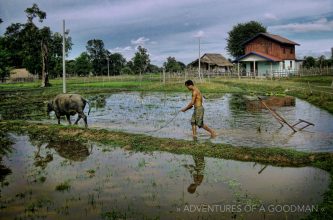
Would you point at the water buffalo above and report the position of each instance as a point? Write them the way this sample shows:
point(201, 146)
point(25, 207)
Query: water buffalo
point(68, 104)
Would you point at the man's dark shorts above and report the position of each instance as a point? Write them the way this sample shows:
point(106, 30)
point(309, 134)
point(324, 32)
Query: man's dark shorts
point(197, 117)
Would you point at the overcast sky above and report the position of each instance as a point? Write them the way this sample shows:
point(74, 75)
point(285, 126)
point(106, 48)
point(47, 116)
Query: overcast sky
point(171, 27)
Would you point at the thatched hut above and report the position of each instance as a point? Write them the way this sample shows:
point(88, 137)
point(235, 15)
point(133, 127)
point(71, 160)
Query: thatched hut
point(21, 75)
point(212, 62)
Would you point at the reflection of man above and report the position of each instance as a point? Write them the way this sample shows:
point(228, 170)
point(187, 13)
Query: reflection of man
point(196, 172)
point(198, 113)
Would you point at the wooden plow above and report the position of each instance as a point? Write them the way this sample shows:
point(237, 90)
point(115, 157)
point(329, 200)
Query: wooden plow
point(282, 121)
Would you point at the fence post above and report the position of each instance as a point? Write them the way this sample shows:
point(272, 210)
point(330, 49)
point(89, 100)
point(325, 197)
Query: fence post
point(163, 76)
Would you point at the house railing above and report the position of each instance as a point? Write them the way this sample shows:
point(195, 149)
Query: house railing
point(212, 73)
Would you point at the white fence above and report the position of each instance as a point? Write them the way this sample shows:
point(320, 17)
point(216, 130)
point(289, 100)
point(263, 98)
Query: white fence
point(327, 71)
point(191, 74)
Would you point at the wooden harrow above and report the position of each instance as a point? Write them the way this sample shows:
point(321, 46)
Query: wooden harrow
point(282, 121)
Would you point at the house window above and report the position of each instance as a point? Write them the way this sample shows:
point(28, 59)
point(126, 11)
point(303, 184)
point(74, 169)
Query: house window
point(291, 50)
point(291, 64)
point(283, 65)
point(284, 50)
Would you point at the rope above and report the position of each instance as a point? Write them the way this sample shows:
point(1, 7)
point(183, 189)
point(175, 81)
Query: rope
point(166, 124)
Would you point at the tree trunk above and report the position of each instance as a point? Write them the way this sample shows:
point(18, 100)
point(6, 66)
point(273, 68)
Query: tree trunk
point(45, 77)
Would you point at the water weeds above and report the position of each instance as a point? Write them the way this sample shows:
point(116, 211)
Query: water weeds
point(65, 186)
point(91, 173)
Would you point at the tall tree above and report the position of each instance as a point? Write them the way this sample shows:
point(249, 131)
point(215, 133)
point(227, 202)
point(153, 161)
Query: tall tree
point(172, 65)
point(322, 61)
point(240, 33)
point(83, 64)
point(13, 42)
point(38, 50)
point(34, 12)
point(117, 63)
point(126, 71)
point(4, 60)
point(41, 37)
point(141, 60)
point(97, 54)
point(55, 52)
point(45, 36)
point(309, 62)
point(130, 65)
point(154, 69)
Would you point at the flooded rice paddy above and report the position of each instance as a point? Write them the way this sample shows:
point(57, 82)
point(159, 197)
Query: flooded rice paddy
point(236, 124)
point(57, 180)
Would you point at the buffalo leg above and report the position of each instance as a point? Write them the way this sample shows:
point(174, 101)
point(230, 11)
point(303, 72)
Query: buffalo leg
point(58, 117)
point(78, 119)
point(82, 115)
point(85, 120)
point(69, 119)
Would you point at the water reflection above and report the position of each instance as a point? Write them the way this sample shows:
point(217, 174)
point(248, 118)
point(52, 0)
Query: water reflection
point(253, 104)
point(5, 149)
point(197, 172)
point(262, 168)
point(70, 150)
point(4, 171)
point(149, 185)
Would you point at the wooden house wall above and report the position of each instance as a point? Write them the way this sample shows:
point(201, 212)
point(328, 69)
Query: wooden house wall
point(264, 45)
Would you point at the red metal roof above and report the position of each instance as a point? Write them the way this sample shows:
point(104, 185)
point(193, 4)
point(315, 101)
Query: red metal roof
point(274, 37)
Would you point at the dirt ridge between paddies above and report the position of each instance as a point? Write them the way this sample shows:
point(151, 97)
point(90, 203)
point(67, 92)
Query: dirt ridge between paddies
point(137, 142)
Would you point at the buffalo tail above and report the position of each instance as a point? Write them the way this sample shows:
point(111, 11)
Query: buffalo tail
point(88, 104)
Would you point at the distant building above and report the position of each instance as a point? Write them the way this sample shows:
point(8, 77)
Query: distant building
point(21, 75)
point(212, 62)
point(268, 53)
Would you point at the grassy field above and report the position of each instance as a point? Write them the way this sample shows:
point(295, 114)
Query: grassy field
point(21, 101)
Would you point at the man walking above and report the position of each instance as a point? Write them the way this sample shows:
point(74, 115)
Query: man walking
point(198, 113)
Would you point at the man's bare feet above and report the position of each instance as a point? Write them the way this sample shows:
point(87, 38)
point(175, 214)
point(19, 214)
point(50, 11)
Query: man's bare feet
point(213, 134)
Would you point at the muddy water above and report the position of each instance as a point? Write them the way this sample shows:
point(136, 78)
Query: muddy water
point(108, 181)
point(236, 125)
